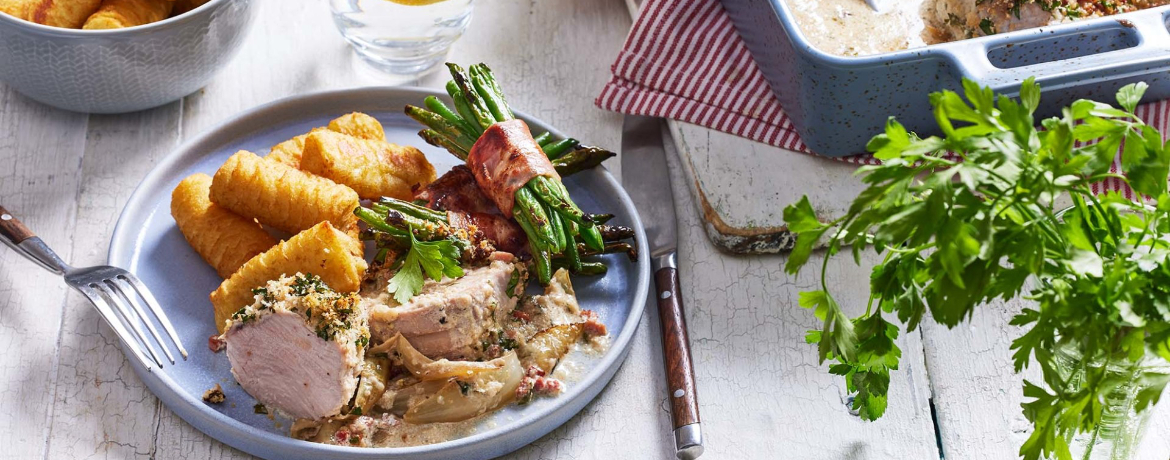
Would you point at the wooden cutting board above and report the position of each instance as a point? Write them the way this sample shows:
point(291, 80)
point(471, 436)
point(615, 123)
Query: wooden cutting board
point(740, 187)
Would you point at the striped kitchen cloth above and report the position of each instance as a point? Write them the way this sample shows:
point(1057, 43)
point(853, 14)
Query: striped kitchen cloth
point(684, 60)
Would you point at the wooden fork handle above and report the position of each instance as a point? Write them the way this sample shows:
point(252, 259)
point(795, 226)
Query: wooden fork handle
point(12, 228)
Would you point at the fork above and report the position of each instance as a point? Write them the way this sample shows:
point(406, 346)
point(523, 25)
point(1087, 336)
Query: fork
point(113, 291)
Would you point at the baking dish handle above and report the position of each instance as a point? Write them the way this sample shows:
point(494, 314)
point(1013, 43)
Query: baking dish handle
point(971, 57)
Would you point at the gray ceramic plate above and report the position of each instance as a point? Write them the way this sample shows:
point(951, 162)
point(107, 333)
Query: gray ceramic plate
point(147, 242)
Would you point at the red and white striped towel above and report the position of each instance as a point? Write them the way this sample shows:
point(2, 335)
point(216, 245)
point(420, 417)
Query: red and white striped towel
point(684, 60)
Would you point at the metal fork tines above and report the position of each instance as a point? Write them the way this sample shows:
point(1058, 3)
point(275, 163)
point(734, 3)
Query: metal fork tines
point(117, 294)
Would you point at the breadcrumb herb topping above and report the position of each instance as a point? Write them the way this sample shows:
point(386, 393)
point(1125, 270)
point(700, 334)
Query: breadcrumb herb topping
point(330, 314)
point(214, 395)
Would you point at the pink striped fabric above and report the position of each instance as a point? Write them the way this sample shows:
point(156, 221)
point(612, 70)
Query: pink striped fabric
point(684, 60)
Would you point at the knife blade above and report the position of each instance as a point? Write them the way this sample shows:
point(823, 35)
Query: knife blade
point(646, 179)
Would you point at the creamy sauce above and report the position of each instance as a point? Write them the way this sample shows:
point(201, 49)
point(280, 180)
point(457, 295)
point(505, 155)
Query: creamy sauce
point(851, 28)
point(386, 430)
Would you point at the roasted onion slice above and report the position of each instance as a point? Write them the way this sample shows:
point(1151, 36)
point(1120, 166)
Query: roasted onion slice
point(462, 399)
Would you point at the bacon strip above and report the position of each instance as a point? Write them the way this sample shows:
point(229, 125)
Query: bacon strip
point(504, 159)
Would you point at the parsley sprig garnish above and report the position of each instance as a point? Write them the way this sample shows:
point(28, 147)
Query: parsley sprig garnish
point(434, 259)
point(958, 234)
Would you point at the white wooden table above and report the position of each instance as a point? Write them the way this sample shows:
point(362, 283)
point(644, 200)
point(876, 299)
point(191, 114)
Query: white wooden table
point(66, 391)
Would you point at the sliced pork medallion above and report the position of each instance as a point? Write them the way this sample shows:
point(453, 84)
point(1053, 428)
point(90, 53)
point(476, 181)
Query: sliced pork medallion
point(468, 208)
point(298, 348)
point(455, 319)
point(456, 191)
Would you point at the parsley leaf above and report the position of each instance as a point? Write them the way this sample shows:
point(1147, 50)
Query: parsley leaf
point(424, 259)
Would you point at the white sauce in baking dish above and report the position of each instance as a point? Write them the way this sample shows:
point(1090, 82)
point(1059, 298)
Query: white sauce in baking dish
point(851, 28)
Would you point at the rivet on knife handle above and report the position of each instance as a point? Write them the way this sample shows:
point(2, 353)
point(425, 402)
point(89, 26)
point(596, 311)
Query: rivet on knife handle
point(680, 376)
point(12, 228)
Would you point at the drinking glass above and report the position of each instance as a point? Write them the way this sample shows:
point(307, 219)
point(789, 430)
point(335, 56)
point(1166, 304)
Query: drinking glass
point(401, 36)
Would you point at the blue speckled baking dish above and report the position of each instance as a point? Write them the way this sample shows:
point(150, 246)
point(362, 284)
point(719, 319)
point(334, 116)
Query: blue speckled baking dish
point(838, 103)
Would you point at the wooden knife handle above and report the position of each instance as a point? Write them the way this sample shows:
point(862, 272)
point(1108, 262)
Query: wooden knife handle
point(12, 228)
point(676, 347)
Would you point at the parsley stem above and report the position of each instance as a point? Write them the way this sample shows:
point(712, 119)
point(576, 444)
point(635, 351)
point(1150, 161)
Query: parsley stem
point(1112, 226)
point(872, 296)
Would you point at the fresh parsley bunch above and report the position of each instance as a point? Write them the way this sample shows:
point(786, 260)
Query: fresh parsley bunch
point(958, 234)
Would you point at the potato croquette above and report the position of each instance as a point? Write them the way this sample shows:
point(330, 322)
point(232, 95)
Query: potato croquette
point(281, 196)
point(116, 14)
point(224, 239)
point(355, 124)
point(358, 125)
point(372, 168)
point(69, 14)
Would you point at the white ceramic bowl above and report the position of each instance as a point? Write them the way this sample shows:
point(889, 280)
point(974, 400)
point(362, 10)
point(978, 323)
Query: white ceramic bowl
point(121, 70)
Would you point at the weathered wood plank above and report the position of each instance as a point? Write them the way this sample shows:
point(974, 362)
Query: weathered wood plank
point(977, 395)
point(40, 163)
point(102, 409)
point(274, 63)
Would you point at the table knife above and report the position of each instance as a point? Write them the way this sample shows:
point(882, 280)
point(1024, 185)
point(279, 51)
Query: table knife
point(647, 180)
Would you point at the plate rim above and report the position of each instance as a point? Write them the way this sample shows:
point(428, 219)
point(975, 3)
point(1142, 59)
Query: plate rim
point(244, 437)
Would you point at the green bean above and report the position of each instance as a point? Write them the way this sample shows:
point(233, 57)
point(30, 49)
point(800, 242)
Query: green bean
point(438, 140)
point(524, 218)
point(558, 230)
point(378, 222)
point(571, 251)
point(380, 208)
point(412, 209)
point(542, 263)
point(612, 232)
point(581, 159)
point(592, 238)
point(557, 149)
point(423, 229)
point(490, 78)
point(479, 109)
point(592, 269)
point(553, 193)
point(612, 248)
point(527, 203)
point(543, 138)
point(463, 108)
point(587, 268)
point(495, 102)
point(442, 125)
point(600, 219)
point(435, 105)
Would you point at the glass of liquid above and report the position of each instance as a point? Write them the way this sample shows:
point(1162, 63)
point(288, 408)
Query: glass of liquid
point(402, 37)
